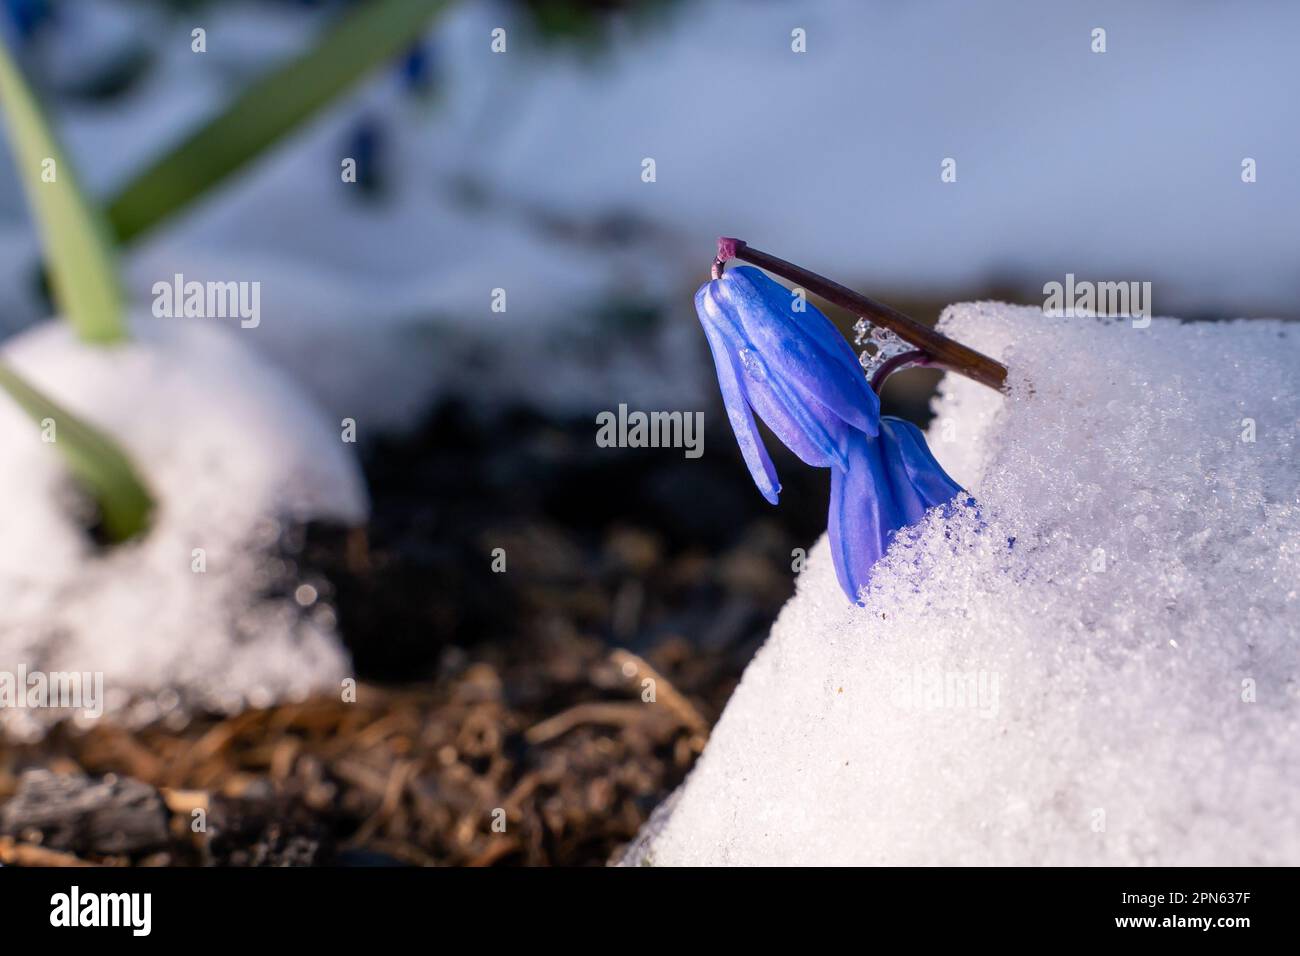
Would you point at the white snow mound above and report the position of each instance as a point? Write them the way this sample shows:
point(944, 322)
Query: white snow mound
point(234, 455)
point(1119, 686)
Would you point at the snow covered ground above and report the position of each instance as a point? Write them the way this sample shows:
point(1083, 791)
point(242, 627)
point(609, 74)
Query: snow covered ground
point(1103, 668)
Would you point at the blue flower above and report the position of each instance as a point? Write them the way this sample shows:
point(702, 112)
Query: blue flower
point(777, 355)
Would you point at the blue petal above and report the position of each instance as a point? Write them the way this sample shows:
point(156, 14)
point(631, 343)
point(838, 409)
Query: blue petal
point(862, 516)
point(891, 482)
point(739, 414)
point(923, 472)
point(820, 454)
point(911, 507)
point(812, 352)
point(804, 426)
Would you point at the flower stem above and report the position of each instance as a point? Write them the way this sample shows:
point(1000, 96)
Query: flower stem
point(939, 350)
point(892, 365)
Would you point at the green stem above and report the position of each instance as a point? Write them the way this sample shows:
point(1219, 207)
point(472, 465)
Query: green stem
point(82, 264)
point(375, 33)
point(96, 462)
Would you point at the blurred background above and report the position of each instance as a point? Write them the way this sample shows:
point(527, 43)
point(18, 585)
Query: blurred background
point(575, 160)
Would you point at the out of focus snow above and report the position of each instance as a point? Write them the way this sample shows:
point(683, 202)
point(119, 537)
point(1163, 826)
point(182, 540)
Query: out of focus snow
point(1120, 685)
point(234, 456)
point(524, 174)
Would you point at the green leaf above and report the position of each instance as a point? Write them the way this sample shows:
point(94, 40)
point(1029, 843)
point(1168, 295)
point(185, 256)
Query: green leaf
point(373, 34)
point(83, 267)
point(94, 458)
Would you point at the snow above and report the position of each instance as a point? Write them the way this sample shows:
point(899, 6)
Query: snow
point(234, 455)
point(831, 158)
point(1120, 685)
point(396, 288)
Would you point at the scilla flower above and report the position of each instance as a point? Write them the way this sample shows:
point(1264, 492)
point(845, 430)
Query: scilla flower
point(789, 364)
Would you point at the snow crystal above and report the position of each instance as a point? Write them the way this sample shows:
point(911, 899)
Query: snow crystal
point(1100, 667)
point(234, 456)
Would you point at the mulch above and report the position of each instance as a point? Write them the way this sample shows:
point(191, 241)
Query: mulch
point(472, 769)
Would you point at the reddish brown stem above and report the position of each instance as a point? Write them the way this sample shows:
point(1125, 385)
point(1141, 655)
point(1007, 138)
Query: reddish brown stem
point(892, 365)
point(941, 351)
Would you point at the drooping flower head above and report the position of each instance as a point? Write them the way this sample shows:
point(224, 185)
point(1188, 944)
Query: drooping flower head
point(792, 367)
point(777, 355)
